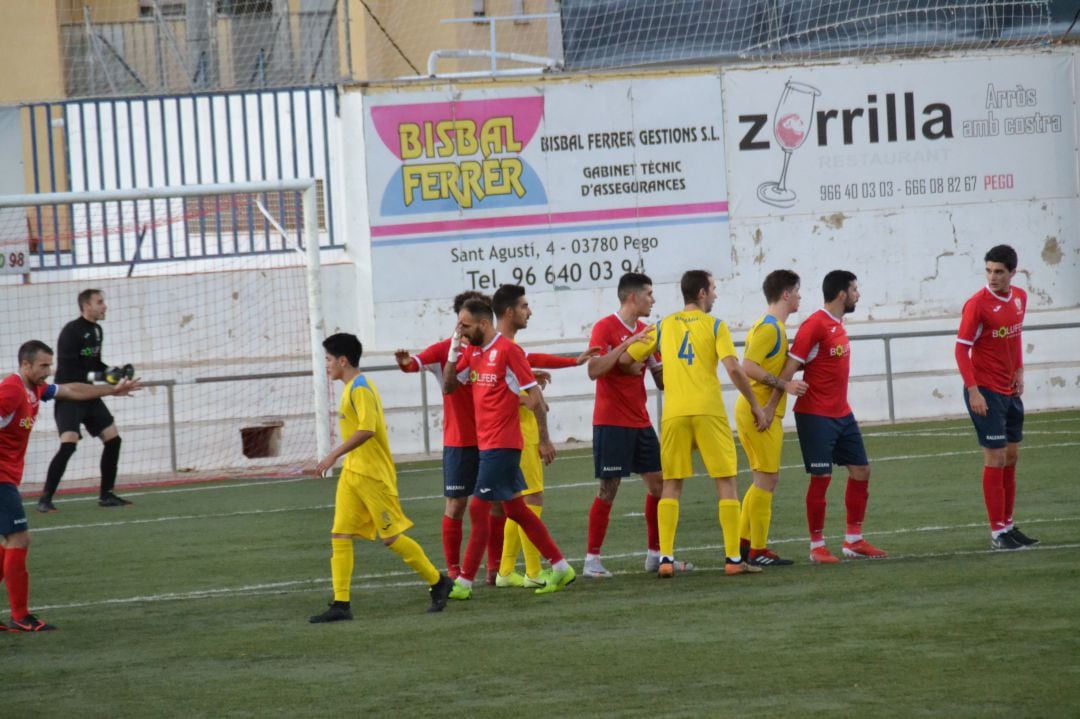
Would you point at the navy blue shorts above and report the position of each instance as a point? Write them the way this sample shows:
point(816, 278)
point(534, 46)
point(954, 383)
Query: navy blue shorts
point(12, 514)
point(459, 468)
point(826, 441)
point(1004, 420)
point(93, 414)
point(500, 476)
point(618, 451)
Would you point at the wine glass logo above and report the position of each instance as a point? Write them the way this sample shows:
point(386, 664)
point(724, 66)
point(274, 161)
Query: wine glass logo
point(791, 124)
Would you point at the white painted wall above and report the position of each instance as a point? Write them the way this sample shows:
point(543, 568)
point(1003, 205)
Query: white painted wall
point(915, 268)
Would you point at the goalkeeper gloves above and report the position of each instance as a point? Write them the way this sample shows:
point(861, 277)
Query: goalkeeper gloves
point(113, 375)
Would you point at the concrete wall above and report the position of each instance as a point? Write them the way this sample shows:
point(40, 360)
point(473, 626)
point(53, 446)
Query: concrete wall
point(916, 268)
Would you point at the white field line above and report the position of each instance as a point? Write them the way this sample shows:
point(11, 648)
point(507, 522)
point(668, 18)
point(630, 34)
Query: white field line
point(573, 485)
point(306, 585)
point(179, 517)
point(578, 454)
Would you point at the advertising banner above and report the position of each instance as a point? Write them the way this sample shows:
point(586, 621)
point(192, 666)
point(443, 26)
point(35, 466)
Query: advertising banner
point(552, 186)
point(845, 138)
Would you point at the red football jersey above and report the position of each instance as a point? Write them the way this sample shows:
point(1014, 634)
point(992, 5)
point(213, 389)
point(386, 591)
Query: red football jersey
point(822, 345)
point(498, 372)
point(18, 412)
point(459, 420)
point(620, 398)
point(990, 326)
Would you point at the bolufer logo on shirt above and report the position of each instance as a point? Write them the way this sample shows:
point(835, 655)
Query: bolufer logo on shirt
point(1004, 332)
point(840, 350)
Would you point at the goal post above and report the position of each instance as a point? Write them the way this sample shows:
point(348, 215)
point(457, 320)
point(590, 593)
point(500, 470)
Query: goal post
point(213, 292)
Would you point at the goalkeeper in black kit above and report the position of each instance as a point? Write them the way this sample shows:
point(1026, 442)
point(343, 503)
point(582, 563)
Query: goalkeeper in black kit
point(78, 359)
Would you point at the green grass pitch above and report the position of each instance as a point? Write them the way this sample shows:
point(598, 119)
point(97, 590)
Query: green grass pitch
point(194, 603)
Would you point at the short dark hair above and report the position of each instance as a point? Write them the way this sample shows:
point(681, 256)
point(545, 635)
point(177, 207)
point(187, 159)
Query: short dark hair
point(1004, 254)
point(693, 282)
point(836, 282)
point(505, 298)
point(29, 351)
point(85, 296)
point(461, 299)
point(479, 309)
point(632, 282)
point(777, 283)
point(344, 345)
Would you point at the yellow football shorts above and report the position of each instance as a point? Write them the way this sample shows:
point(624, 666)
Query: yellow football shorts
point(762, 448)
point(710, 434)
point(532, 468)
point(364, 507)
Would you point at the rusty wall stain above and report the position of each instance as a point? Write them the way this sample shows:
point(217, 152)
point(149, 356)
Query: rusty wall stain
point(834, 221)
point(1051, 252)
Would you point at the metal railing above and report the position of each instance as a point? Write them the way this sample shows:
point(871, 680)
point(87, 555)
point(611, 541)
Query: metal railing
point(161, 140)
point(887, 338)
point(425, 405)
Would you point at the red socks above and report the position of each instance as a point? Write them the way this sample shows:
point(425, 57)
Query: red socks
point(815, 506)
point(18, 580)
point(1008, 478)
point(599, 514)
point(451, 545)
point(994, 494)
point(855, 501)
point(497, 531)
point(534, 529)
point(652, 524)
point(479, 515)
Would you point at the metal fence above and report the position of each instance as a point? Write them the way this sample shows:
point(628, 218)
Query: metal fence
point(159, 140)
point(888, 375)
point(206, 45)
point(241, 45)
point(618, 33)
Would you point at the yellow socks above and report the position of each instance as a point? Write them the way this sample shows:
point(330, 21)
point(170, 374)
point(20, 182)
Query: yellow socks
point(757, 508)
point(511, 547)
point(667, 518)
point(414, 556)
point(514, 541)
point(729, 524)
point(341, 566)
point(532, 554)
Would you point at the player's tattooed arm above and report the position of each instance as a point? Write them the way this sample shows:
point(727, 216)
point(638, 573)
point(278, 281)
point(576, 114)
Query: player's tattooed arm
point(771, 380)
point(547, 449)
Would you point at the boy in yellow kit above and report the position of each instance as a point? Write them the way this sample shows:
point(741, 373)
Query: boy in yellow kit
point(763, 360)
point(366, 503)
point(692, 344)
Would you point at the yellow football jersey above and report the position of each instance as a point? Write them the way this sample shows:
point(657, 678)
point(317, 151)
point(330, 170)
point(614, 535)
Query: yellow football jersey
point(530, 428)
point(767, 345)
point(361, 409)
point(691, 344)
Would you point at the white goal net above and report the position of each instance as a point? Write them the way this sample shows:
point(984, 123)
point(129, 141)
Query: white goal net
point(613, 33)
point(212, 296)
